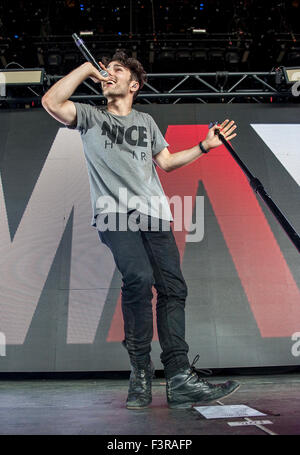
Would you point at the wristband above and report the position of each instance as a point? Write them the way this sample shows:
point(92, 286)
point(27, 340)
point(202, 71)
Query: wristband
point(202, 148)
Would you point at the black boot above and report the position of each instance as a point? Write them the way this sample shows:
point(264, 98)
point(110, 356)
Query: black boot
point(140, 387)
point(186, 389)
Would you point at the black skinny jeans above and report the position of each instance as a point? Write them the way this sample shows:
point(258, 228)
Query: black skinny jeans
point(147, 258)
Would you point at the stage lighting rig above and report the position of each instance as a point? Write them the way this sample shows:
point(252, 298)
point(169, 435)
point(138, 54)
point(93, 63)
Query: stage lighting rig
point(291, 75)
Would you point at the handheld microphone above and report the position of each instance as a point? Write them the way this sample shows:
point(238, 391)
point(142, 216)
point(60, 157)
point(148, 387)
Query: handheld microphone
point(211, 124)
point(86, 53)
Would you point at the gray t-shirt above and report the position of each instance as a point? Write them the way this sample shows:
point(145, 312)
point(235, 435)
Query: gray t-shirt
point(119, 152)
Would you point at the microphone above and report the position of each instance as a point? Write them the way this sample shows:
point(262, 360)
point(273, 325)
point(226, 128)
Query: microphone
point(211, 124)
point(86, 53)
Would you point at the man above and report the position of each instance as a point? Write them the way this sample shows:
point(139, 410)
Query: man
point(120, 145)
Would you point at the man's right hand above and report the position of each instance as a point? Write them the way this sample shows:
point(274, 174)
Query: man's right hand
point(96, 76)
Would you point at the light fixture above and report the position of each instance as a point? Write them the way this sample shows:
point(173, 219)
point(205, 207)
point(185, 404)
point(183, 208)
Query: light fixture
point(86, 33)
point(291, 74)
point(26, 76)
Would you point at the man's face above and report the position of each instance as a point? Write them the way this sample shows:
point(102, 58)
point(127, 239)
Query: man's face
point(119, 80)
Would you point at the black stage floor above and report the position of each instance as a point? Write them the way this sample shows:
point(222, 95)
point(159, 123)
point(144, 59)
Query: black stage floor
point(97, 407)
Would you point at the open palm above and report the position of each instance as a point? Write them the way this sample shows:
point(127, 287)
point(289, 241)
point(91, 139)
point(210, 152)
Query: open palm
point(226, 129)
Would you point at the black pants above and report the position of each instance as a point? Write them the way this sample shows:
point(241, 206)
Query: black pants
point(147, 258)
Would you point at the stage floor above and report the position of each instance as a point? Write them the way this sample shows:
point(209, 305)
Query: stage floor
point(97, 407)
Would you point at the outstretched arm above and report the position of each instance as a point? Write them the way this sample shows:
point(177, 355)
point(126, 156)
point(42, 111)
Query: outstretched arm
point(170, 161)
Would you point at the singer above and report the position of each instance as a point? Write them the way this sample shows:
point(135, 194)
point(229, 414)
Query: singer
point(122, 146)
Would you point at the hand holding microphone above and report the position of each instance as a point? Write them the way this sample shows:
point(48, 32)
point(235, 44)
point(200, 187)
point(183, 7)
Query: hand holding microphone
point(88, 56)
point(98, 76)
point(86, 53)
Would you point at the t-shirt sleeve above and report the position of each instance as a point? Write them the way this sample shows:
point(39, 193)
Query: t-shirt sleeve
point(158, 142)
point(85, 117)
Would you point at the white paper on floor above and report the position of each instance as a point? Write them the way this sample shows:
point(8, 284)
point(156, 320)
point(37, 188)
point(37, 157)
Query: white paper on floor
point(221, 412)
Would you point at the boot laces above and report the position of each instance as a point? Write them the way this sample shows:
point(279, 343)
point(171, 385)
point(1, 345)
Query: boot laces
point(199, 372)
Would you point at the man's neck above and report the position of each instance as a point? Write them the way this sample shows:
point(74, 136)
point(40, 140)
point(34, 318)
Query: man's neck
point(119, 106)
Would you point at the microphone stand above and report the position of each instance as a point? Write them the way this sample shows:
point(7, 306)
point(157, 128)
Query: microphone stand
point(257, 186)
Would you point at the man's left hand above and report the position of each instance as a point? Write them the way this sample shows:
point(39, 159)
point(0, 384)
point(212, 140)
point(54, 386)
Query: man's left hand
point(226, 129)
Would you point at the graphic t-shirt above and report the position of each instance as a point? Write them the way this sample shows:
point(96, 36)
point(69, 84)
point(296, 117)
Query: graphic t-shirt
point(119, 152)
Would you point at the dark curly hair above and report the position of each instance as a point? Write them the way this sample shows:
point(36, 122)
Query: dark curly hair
point(135, 67)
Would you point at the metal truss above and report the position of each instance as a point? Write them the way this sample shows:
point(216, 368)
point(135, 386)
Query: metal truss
point(172, 88)
point(216, 87)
